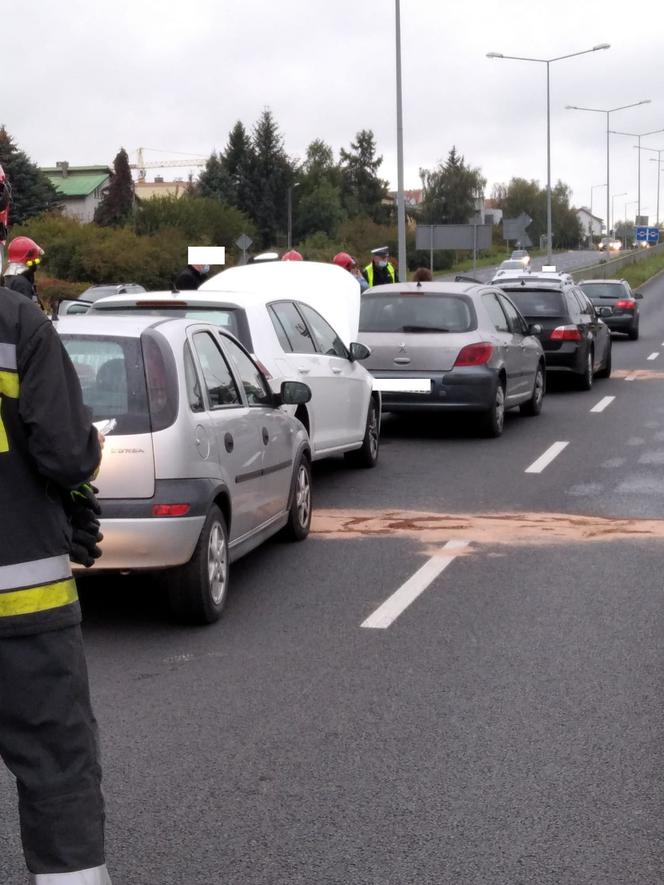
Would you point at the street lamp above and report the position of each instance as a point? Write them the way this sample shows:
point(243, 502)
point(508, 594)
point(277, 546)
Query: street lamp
point(659, 152)
point(593, 188)
point(401, 201)
point(613, 214)
point(548, 62)
point(638, 136)
point(608, 112)
point(289, 239)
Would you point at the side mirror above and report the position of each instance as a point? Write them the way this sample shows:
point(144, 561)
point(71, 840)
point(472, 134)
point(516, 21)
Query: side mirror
point(534, 329)
point(637, 295)
point(359, 351)
point(294, 393)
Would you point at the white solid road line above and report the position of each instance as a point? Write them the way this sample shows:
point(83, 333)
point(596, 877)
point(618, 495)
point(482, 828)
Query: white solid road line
point(548, 456)
point(653, 356)
point(399, 601)
point(602, 404)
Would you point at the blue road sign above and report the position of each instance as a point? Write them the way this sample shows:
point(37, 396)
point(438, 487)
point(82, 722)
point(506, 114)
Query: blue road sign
point(653, 235)
point(641, 234)
point(647, 235)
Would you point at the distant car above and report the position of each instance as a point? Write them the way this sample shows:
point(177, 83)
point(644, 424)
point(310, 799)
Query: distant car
point(67, 307)
point(512, 264)
point(609, 244)
point(283, 313)
point(622, 304)
point(452, 347)
point(521, 255)
point(200, 464)
point(573, 334)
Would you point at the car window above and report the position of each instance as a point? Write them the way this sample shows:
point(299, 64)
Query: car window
point(415, 312)
point(326, 338)
point(192, 382)
point(538, 302)
point(291, 329)
point(253, 382)
point(584, 303)
point(495, 311)
point(219, 383)
point(232, 319)
point(598, 292)
point(516, 322)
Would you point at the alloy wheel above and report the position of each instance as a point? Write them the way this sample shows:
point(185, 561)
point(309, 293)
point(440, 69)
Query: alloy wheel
point(217, 563)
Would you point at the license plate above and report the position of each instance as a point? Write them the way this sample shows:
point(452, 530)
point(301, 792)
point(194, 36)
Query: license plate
point(403, 385)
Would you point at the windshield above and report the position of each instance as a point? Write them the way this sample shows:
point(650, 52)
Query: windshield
point(406, 312)
point(229, 318)
point(538, 302)
point(598, 291)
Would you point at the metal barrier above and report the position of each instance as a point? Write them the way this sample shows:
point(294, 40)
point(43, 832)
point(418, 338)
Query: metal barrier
point(608, 269)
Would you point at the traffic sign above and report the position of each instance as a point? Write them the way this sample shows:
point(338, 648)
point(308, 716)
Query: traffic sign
point(647, 234)
point(515, 229)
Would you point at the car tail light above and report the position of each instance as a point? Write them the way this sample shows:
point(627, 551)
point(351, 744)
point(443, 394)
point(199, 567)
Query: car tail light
point(474, 354)
point(626, 304)
point(170, 509)
point(566, 333)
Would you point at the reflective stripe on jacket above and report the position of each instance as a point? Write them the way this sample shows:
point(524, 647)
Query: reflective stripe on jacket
point(369, 273)
point(37, 586)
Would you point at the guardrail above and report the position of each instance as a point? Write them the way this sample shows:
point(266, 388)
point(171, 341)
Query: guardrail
point(609, 267)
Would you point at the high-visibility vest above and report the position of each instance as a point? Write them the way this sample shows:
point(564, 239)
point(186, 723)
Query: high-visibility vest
point(369, 272)
point(47, 446)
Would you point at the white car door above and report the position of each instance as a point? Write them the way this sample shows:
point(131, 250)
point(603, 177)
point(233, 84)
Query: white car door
point(348, 391)
point(275, 426)
point(238, 445)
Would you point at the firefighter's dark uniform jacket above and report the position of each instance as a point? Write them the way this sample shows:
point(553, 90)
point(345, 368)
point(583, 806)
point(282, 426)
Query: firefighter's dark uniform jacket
point(47, 446)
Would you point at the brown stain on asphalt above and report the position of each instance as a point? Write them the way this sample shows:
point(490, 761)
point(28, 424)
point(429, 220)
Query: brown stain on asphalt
point(522, 529)
point(639, 374)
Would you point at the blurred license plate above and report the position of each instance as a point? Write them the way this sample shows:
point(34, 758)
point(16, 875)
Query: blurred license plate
point(403, 385)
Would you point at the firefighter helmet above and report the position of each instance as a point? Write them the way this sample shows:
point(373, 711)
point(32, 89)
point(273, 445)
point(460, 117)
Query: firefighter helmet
point(23, 250)
point(343, 259)
point(292, 255)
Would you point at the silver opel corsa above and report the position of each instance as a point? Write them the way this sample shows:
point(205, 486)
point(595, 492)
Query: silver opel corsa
point(201, 464)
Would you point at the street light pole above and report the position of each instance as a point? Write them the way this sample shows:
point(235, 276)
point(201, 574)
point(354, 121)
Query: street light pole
point(608, 112)
point(638, 136)
point(548, 62)
point(289, 238)
point(659, 152)
point(401, 202)
point(593, 187)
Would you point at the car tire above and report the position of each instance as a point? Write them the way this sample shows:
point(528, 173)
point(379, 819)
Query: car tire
point(605, 371)
point(367, 454)
point(633, 333)
point(299, 514)
point(492, 422)
point(533, 406)
point(198, 590)
point(586, 378)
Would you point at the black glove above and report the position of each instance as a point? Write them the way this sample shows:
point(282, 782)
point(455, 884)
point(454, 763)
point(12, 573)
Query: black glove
point(82, 509)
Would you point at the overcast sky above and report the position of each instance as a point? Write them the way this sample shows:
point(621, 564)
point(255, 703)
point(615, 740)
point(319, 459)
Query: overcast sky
point(89, 77)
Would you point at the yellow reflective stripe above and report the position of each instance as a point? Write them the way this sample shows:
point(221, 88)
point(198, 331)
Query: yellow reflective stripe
point(32, 600)
point(9, 386)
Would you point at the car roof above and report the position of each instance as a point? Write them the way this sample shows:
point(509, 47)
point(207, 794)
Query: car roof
point(121, 326)
point(546, 278)
point(443, 287)
point(602, 281)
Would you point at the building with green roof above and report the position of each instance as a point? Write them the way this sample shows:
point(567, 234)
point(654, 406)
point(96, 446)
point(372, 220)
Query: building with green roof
point(81, 187)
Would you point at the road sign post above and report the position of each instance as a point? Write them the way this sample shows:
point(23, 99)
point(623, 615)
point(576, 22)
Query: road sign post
point(243, 242)
point(515, 229)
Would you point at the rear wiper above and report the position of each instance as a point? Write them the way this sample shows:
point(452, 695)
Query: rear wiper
point(423, 329)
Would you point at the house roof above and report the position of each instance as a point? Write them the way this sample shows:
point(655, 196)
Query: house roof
point(588, 212)
point(79, 181)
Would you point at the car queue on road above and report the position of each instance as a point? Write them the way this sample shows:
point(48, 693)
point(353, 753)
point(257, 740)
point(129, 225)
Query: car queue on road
point(215, 402)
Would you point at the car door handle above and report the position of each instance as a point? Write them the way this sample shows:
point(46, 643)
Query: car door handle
point(266, 436)
point(303, 371)
point(228, 443)
point(336, 371)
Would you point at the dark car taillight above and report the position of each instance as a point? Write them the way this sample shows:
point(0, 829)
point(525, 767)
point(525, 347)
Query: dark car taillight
point(626, 304)
point(566, 333)
point(474, 354)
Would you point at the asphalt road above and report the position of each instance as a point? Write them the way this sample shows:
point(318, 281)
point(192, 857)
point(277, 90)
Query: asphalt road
point(564, 262)
point(505, 728)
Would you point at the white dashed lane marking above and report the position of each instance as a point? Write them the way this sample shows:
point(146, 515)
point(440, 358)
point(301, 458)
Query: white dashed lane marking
point(653, 356)
point(544, 460)
point(603, 404)
point(399, 601)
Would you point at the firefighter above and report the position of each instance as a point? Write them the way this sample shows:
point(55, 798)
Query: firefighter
point(347, 262)
point(48, 513)
point(24, 256)
point(379, 270)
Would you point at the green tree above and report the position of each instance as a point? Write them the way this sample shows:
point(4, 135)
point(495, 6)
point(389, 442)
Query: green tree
point(363, 192)
point(238, 162)
point(271, 173)
point(451, 191)
point(117, 202)
point(214, 180)
point(527, 196)
point(319, 205)
point(32, 192)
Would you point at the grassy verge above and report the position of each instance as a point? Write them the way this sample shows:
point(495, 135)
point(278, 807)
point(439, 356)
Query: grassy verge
point(642, 271)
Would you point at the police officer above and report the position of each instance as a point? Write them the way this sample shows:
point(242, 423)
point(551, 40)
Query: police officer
point(24, 256)
point(191, 277)
point(48, 450)
point(380, 270)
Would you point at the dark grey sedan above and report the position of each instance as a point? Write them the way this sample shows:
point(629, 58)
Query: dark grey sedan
point(452, 347)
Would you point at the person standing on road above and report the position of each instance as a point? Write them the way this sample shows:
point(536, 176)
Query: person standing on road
point(24, 256)
point(191, 277)
point(380, 270)
point(48, 513)
point(347, 262)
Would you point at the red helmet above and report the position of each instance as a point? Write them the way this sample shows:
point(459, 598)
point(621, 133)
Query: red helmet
point(293, 255)
point(23, 250)
point(343, 259)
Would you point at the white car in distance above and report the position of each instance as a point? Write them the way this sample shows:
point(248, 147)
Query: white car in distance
point(300, 320)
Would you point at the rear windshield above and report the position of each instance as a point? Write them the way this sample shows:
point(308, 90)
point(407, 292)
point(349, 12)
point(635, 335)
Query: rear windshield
point(538, 302)
point(112, 378)
point(599, 291)
point(232, 319)
point(405, 312)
